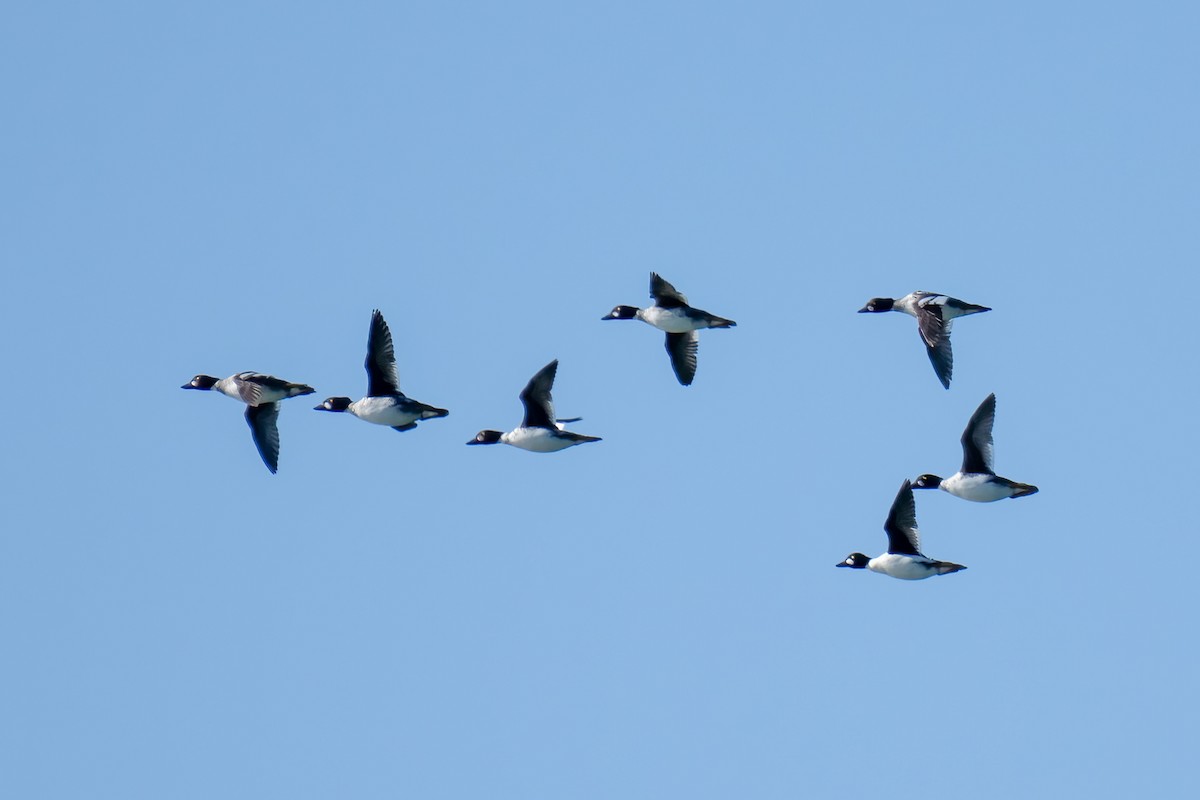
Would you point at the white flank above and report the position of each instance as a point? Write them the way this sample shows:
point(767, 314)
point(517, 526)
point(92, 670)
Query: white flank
point(906, 568)
point(671, 320)
point(536, 440)
point(976, 488)
point(381, 411)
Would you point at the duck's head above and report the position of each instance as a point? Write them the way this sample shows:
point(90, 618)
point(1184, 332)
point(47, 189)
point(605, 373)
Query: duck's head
point(877, 304)
point(622, 312)
point(486, 437)
point(927, 481)
point(201, 382)
point(854, 561)
point(333, 404)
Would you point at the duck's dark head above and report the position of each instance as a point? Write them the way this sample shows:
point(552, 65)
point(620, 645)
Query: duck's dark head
point(201, 382)
point(622, 312)
point(486, 437)
point(854, 561)
point(927, 481)
point(877, 304)
point(334, 404)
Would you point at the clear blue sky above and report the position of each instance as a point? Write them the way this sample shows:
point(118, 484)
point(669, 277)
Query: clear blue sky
point(220, 187)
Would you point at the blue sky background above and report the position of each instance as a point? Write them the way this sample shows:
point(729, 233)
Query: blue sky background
point(222, 187)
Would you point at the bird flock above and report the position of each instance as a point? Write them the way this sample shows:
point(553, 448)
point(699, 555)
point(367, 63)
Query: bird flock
point(541, 432)
point(976, 480)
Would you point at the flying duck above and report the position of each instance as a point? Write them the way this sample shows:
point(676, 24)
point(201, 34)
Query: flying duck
point(384, 404)
point(934, 313)
point(261, 394)
point(903, 558)
point(671, 313)
point(977, 479)
point(539, 432)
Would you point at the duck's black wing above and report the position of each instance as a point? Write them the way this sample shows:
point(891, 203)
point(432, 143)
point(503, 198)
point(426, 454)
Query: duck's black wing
point(901, 525)
point(539, 408)
point(382, 376)
point(935, 333)
point(682, 348)
point(665, 295)
point(263, 421)
point(977, 439)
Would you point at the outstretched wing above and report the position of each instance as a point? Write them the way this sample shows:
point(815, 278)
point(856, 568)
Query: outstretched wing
point(901, 525)
point(382, 377)
point(665, 295)
point(682, 348)
point(539, 408)
point(262, 420)
point(935, 333)
point(977, 439)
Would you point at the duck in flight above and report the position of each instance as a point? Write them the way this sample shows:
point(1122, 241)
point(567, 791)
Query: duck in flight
point(539, 432)
point(903, 558)
point(934, 313)
point(384, 404)
point(672, 314)
point(977, 479)
point(261, 394)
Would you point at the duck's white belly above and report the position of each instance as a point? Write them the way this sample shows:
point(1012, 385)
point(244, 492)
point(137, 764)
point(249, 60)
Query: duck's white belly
point(906, 568)
point(976, 488)
point(536, 440)
point(381, 411)
point(671, 320)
